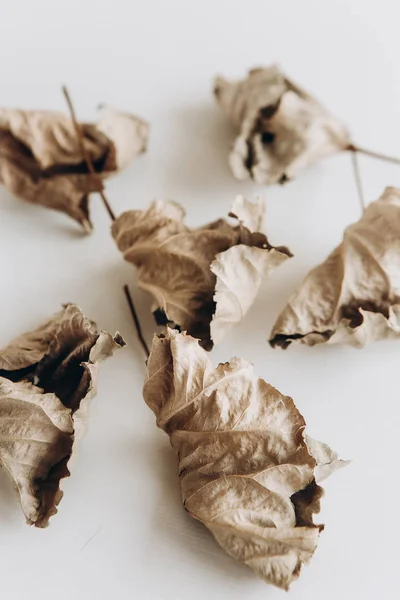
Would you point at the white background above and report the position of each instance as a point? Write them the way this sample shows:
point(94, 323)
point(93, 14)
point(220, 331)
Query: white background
point(121, 531)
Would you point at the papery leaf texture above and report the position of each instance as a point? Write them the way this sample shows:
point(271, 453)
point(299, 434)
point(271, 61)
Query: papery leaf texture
point(47, 379)
point(247, 471)
point(282, 128)
point(203, 280)
point(41, 159)
point(354, 296)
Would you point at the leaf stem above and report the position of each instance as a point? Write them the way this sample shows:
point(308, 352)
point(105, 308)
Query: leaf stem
point(96, 176)
point(353, 148)
point(85, 153)
point(136, 321)
point(357, 177)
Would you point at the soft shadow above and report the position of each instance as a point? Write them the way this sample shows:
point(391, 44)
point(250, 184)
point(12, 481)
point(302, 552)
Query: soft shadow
point(115, 314)
point(40, 219)
point(72, 229)
point(174, 524)
point(10, 508)
point(200, 160)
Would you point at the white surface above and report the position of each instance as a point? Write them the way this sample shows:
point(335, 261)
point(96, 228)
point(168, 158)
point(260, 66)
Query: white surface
point(121, 531)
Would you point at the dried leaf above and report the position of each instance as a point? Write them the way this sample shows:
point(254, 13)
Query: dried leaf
point(246, 469)
point(41, 161)
point(327, 460)
point(203, 280)
point(354, 296)
point(47, 379)
point(282, 128)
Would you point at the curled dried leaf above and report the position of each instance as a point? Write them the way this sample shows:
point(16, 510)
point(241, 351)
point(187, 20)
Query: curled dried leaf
point(282, 128)
point(203, 280)
point(41, 160)
point(354, 296)
point(47, 379)
point(246, 469)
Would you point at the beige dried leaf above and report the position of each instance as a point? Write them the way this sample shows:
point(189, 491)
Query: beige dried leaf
point(203, 280)
point(327, 459)
point(354, 296)
point(41, 160)
point(246, 469)
point(282, 128)
point(47, 379)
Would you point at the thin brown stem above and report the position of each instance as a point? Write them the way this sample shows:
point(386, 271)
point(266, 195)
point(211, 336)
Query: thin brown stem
point(373, 154)
point(136, 321)
point(357, 177)
point(96, 176)
point(85, 153)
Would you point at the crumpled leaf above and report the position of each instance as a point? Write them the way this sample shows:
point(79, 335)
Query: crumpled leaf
point(41, 160)
point(282, 128)
point(246, 469)
point(354, 296)
point(203, 280)
point(47, 379)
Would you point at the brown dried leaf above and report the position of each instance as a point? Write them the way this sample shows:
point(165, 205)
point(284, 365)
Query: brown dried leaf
point(41, 161)
point(203, 280)
point(354, 296)
point(47, 379)
point(245, 467)
point(282, 128)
